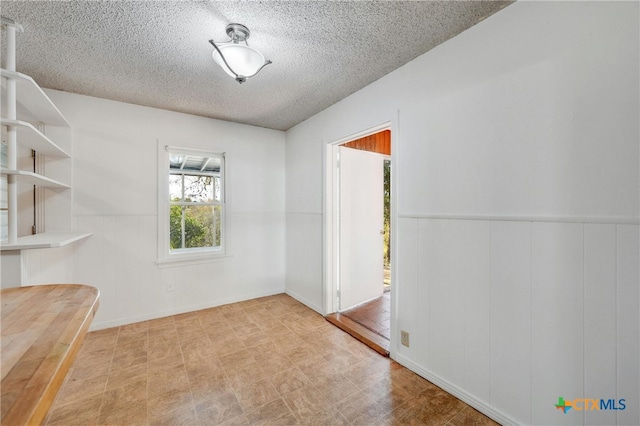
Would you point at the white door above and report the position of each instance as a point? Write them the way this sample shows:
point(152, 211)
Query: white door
point(361, 220)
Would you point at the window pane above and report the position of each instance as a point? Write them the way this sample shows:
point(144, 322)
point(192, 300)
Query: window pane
point(175, 161)
point(195, 163)
point(175, 227)
point(217, 226)
point(217, 189)
point(198, 188)
point(175, 187)
point(201, 226)
point(212, 165)
point(195, 184)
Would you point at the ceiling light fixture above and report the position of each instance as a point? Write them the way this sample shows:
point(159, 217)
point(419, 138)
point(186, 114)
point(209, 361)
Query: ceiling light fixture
point(239, 60)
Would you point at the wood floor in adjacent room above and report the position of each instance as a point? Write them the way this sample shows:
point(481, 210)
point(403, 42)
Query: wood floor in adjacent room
point(270, 361)
point(374, 315)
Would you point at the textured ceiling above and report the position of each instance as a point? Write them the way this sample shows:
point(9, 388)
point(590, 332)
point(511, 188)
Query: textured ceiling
point(156, 53)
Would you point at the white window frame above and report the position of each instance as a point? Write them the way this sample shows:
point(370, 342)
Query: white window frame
point(166, 256)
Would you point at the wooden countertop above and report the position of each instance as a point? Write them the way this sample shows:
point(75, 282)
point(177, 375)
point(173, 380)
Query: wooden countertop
point(42, 330)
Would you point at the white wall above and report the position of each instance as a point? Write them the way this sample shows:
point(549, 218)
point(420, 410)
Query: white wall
point(115, 179)
point(516, 155)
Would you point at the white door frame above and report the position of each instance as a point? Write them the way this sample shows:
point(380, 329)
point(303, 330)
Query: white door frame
point(330, 228)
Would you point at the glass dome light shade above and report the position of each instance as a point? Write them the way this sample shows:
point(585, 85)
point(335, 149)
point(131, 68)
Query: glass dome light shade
point(243, 59)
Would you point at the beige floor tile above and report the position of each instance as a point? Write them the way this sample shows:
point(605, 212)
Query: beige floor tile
point(201, 355)
point(89, 350)
point(237, 360)
point(270, 413)
point(213, 388)
point(324, 418)
point(120, 377)
point(336, 387)
point(246, 329)
point(133, 414)
point(255, 394)
point(168, 381)
point(218, 409)
point(245, 376)
point(299, 354)
point(227, 344)
point(316, 368)
point(79, 412)
point(286, 381)
point(135, 328)
point(89, 367)
point(271, 365)
point(170, 362)
point(124, 359)
point(469, 416)
point(78, 388)
point(131, 393)
point(201, 342)
point(256, 338)
point(161, 405)
point(183, 416)
point(161, 323)
point(362, 408)
point(163, 349)
point(306, 402)
point(236, 421)
point(132, 341)
point(270, 361)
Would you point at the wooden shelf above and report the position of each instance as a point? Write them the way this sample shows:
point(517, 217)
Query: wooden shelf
point(36, 179)
point(33, 103)
point(30, 136)
point(45, 240)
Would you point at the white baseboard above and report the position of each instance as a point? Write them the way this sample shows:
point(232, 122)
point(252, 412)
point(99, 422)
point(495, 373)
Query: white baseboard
point(181, 310)
point(304, 301)
point(479, 405)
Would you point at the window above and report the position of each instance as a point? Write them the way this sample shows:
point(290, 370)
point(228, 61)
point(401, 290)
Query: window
point(194, 214)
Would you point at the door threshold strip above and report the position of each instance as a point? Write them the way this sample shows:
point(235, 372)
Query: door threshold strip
point(366, 336)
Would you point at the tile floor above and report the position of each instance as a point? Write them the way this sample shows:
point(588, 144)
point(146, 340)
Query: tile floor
point(374, 315)
point(269, 361)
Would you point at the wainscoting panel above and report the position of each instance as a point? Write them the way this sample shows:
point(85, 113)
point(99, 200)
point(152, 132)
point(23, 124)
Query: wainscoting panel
point(456, 262)
point(304, 254)
point(558, 315)
point(628, 322)
point(511, 315)
point(600, 319)
point(414, 315)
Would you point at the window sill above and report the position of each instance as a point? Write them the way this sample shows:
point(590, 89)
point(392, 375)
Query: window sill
point(193, 259)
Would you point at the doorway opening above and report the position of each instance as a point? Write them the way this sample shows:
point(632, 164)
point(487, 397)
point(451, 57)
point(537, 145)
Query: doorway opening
point(362, 238)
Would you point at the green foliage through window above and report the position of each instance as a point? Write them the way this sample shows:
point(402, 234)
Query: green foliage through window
point(387, 213)
point(200, 228)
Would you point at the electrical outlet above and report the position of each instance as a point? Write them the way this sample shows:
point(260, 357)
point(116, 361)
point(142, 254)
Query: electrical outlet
point(169, 286)
point(404, 338)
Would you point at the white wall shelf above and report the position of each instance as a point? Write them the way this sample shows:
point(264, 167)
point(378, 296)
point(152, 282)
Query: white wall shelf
point(33, 124)
point(35, 179)
point(33, 103)
point(30, 136)
point(45, 240)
